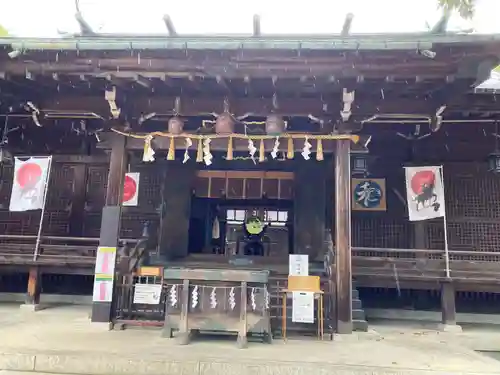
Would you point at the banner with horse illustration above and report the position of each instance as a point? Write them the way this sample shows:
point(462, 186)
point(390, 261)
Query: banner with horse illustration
point(425, 193)
point(29, 184)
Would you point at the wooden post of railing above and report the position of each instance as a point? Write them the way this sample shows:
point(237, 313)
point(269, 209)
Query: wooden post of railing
point(343, 274)
point(110, 231)
point(448, 308)
point(32, 301)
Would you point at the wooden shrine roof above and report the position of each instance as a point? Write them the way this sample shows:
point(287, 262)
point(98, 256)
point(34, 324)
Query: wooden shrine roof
point(390, 73)
point(119, 42)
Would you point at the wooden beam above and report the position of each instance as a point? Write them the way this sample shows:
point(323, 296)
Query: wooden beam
point(256, 25)
point(441, 26)
point(85, 28)
point(169, 25)
point(346, 27)
point(111, 213)
point(343, 274)
point(257, 106)
point(34, 287)
point(220, 144)
point(448, 308)
point(144, 82)
point(222, 83)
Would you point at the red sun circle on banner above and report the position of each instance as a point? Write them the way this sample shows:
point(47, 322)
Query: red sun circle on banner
point(422, 178)
point(28, 175)
point(129, 188)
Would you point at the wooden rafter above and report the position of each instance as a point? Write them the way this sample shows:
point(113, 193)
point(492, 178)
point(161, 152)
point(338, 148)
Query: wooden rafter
point(256, 106)
point(256, 25)
point(346, 27)
point(169, 25)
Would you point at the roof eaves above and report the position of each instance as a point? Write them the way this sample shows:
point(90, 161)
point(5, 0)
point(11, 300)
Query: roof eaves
point(360, 42)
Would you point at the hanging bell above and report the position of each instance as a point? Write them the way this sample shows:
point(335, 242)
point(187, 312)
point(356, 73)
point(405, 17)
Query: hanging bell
point(224, 124)
point(175, 125)
point(275, 124)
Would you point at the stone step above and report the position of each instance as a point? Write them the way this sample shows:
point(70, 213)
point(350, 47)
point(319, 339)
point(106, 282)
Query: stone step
point(360, 325)
point(357, 304)
point(358, 314)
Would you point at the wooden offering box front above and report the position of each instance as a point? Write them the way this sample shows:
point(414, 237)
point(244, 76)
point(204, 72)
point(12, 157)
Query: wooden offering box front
point(217, 300)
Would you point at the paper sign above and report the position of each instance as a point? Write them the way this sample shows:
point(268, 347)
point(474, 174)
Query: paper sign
point(303, 307)
point(298, 265)
point(104, 274)
point(147, 294)
point(103, 289)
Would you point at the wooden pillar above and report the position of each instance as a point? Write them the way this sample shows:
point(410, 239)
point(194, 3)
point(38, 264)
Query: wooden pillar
point(309, 208)
point(177, 191)
point(77, 212)
point(111, 213)
point(34, 288)
point(448, 307)
point(343, 272)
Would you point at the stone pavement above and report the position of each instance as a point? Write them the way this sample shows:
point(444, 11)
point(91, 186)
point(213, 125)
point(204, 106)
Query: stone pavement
point(62, 340)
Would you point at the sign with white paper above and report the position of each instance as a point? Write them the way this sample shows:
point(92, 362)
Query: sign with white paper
point(298, 265)
point(147, 294)
point(303, 307)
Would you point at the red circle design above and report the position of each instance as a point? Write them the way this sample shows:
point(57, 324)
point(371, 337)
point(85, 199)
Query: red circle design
point(28, 175)
point(129, 189)
point(420, 179)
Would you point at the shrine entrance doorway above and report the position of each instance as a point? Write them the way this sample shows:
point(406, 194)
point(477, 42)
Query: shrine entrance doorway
point(237, 213)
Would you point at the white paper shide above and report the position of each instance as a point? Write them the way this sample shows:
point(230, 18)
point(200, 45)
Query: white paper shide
point(29, 184)
point(147, 294)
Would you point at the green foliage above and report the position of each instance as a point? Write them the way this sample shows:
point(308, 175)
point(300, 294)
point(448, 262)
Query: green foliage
point(464, 7)
point(3, 31)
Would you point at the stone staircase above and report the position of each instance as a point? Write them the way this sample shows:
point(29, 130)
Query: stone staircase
point(359, 322)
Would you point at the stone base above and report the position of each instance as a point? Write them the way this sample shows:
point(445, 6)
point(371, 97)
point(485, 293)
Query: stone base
point(453, 328)
point(32, 307)
point(99, 326)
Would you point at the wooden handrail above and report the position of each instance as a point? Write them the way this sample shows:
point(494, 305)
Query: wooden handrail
point(61, 238)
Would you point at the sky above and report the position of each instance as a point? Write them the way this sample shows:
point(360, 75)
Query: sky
point(44, 18)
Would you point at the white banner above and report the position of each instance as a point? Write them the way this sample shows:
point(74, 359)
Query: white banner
point(425, 193)
point(29, 184)
point(131, 189)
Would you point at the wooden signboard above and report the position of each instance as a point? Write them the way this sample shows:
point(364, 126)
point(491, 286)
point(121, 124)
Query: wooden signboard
point(368, 194)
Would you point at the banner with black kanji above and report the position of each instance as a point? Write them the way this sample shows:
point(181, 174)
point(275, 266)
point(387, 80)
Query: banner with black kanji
point(425, 193)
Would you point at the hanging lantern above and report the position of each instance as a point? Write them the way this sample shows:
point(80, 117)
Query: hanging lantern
point(494, 162)
point(359, 165)
point(175, 125)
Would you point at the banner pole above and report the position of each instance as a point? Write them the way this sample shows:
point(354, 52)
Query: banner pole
point(40, 226)
point(445, 228)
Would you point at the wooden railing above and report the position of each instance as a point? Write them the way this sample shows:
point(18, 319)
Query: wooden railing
point(428, 264)
point(53, 250)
